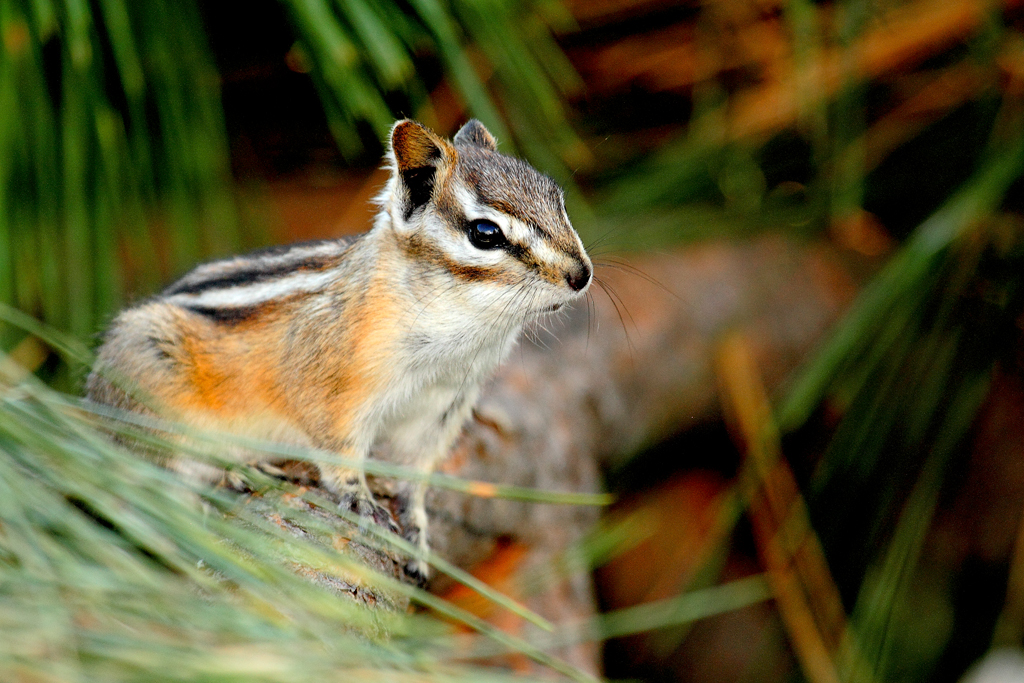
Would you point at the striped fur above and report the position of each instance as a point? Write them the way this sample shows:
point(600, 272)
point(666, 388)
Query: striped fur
point(384, 338)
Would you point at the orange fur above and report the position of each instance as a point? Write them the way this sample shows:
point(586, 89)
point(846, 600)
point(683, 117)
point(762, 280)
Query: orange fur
point(344, 345)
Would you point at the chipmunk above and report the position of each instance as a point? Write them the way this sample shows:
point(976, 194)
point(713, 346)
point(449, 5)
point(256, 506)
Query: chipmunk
point(385, 337)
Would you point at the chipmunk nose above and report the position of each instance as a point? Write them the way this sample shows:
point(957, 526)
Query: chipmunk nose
point(579, 279)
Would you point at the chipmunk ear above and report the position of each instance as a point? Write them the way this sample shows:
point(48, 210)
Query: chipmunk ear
point(418, 155)
point(474, 133)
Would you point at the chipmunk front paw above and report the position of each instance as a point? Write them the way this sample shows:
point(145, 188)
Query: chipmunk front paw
point(360, 500)
point(354, 496)
point(413, 517)
point(416, 572)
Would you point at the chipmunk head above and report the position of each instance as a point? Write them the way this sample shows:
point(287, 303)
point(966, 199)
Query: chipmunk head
point(482, 217)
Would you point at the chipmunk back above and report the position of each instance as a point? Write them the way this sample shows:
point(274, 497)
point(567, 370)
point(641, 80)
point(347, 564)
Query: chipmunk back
point(384, 337)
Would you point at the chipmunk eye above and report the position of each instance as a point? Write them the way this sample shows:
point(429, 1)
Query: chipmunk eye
point(485, 234)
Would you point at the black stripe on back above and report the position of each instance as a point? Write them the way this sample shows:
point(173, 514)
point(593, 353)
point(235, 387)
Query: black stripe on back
point(249, 274)
point(226, 315)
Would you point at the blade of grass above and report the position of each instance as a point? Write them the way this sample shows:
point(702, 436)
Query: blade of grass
point(909, 266)
point(681, 610)
point(394, 541)
point(457, 62)
point(883, 594)
point(373, 467)
point(147, 535)
point(796, 566)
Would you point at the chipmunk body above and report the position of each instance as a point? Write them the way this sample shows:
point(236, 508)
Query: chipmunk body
point(385, 337)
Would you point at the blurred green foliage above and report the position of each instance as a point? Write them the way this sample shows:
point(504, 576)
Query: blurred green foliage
point(111, 125)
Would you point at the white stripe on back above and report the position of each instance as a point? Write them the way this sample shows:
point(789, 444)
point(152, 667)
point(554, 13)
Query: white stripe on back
point(256, 293)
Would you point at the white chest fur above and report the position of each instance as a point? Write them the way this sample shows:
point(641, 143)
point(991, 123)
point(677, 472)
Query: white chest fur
point(445, 362)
